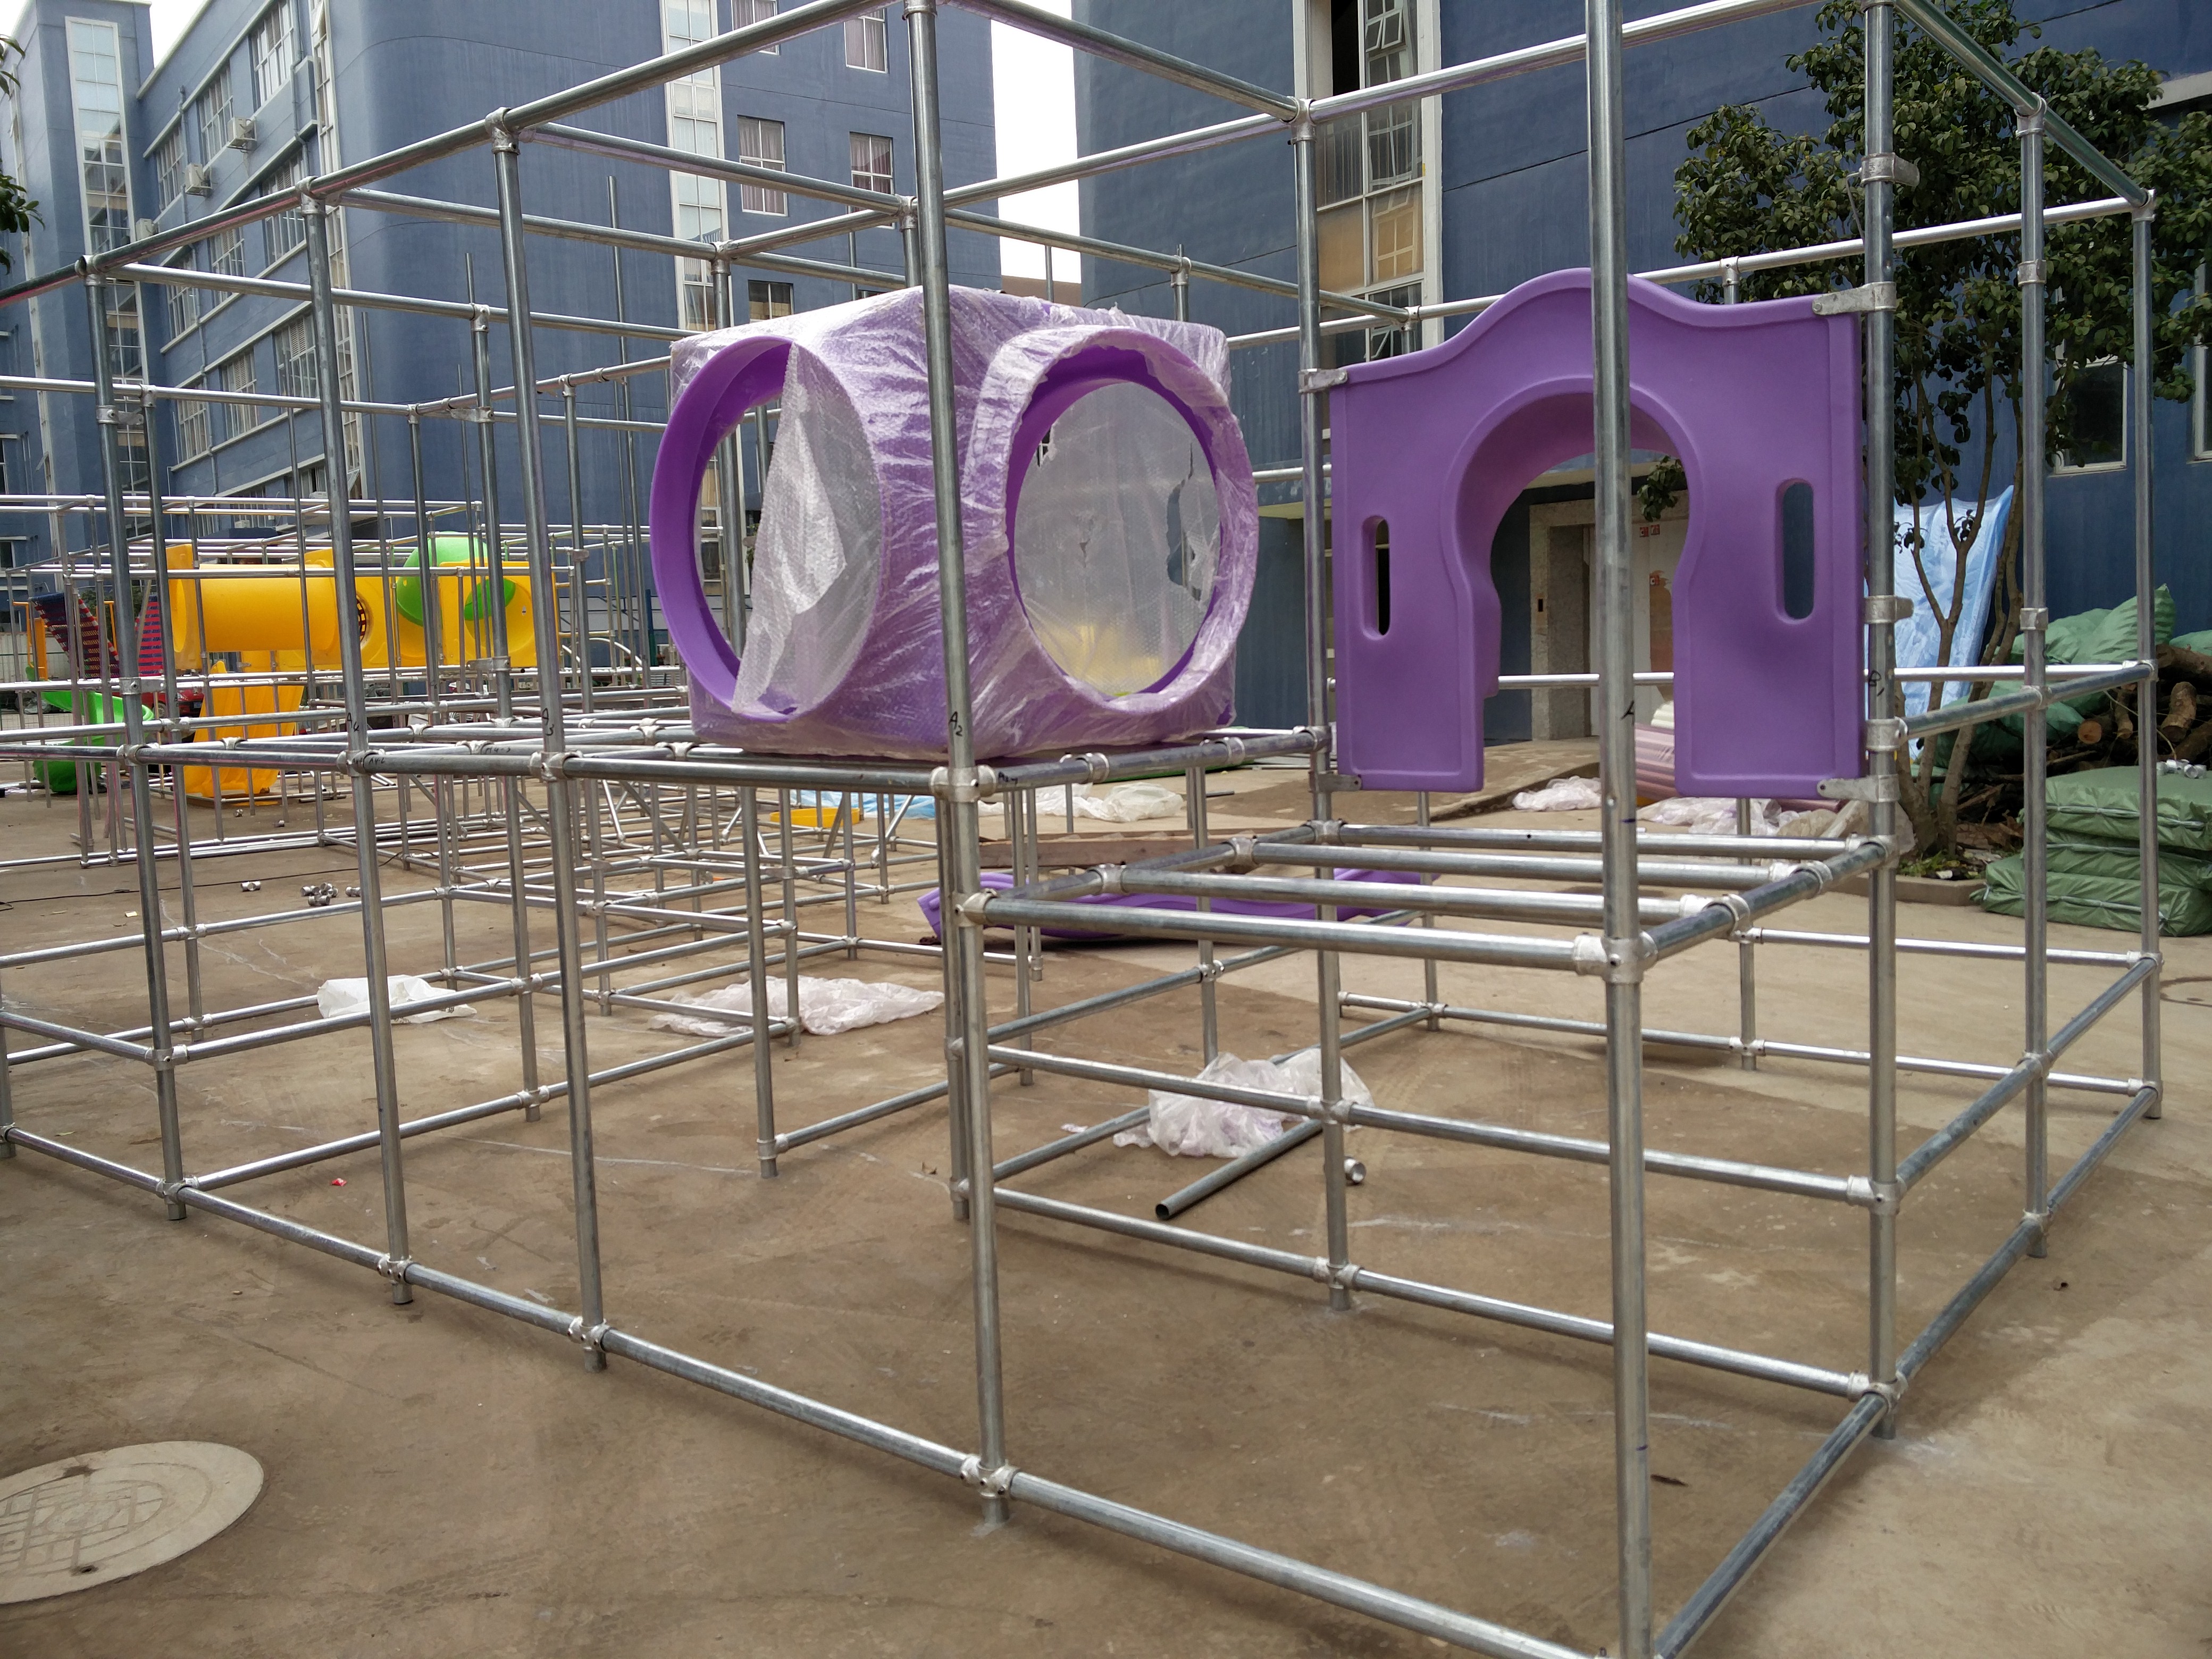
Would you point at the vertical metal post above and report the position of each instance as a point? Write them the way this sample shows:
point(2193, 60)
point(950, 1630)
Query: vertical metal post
point(1178, 281)
point(1880, 399)
point(1209, 1018)
point(325, 313)
point(580, 600)
point(509, 787)
point(1313, 413)
point(2035, 872)
point(1430, 993)
point(790, 870)
point(560, 805)
point(2154, 1064)
point(1746, 974)
point(756, 984)
point(956, 801)
point(1616, 626)
point(161, 1037)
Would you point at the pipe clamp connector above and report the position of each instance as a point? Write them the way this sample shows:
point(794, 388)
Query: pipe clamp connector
point(1885, 736)
point(1882, 1197)
point(1887, 168)
point(2035, 618)
point(593, 1337)
point(992, 1483)
point(2030, 273)
point(394, 1268)
point(1886, 608)
point(1874, 297)
point(1321, 379)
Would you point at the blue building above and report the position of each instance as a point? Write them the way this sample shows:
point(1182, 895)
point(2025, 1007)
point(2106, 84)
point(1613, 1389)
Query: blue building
point(259, 94)
point(1432, 205)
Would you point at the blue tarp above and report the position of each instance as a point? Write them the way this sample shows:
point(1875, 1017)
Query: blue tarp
point(1916, 636)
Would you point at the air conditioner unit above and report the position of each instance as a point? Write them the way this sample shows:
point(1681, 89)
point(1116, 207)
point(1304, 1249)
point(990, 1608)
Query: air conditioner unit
point(141, 229)
point(241, 133)
point(196, 180)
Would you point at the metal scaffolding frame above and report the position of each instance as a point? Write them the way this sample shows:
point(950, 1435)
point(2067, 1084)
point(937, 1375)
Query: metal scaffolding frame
point(526, 774)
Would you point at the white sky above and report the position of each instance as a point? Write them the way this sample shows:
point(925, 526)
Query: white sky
point(1036, 114)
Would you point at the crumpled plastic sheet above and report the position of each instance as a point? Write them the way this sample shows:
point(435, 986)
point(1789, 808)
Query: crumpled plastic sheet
point(335, 998)
point(1712, 815)
point(1116, 531)
point(1119, 803)
point(1191, 1125)
point(818, 554)
point(826, 1007)
point(1560, 795)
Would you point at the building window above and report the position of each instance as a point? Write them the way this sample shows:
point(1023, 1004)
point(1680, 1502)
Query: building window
point(766, 299)
point(695, 124)
point(296, 359)
point(212, 115)
point(868, 42)
point(761, 143)
point(96, 92)
point(746, 12)
point(169, 166)
point(872, 162)
point(227, 252)
point(2096, 405)
point(236, 374)
point(96, 84)
point(195, 433)
point(287, 230)
point(183, 301)
point(275, 52)
point(1370, 168)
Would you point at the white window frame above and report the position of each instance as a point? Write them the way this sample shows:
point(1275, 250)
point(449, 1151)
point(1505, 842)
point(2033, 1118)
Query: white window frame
point(183, 301)
point(169, 163)
point(286, 233)
point(240, 419)
point(699, 206)
point(866, 178)
point(2062, 465)
point(90, 40)
point(227, 252)
point(755, 133)
point(869, 35)
point(764, 300)
point(195, 429)
point(745, 13)
point(293, 343)
point(274, 47)
point(212, 115)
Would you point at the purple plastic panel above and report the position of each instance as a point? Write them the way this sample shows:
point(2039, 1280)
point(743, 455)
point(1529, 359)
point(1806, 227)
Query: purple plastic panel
point(1008, 352)
point(1754, 398)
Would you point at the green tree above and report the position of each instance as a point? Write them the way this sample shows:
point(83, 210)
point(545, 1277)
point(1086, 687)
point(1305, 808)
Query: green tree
point(1748, 188)
point(17, 209)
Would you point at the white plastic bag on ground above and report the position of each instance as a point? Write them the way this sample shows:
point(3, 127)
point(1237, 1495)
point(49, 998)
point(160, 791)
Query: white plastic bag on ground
point(1119, 803)
point(1710, 815)
point(826, 1007)
point(338, 997)
point(1190, 1126)
point(1560, 795)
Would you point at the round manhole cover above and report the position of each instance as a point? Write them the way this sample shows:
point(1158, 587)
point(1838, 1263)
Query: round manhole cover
point(85, 1521)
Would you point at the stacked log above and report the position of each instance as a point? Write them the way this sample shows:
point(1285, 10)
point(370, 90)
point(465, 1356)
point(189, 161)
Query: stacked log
point(2181, 727)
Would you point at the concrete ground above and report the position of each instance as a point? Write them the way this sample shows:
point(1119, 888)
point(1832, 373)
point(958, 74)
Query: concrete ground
point(442, 1481)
